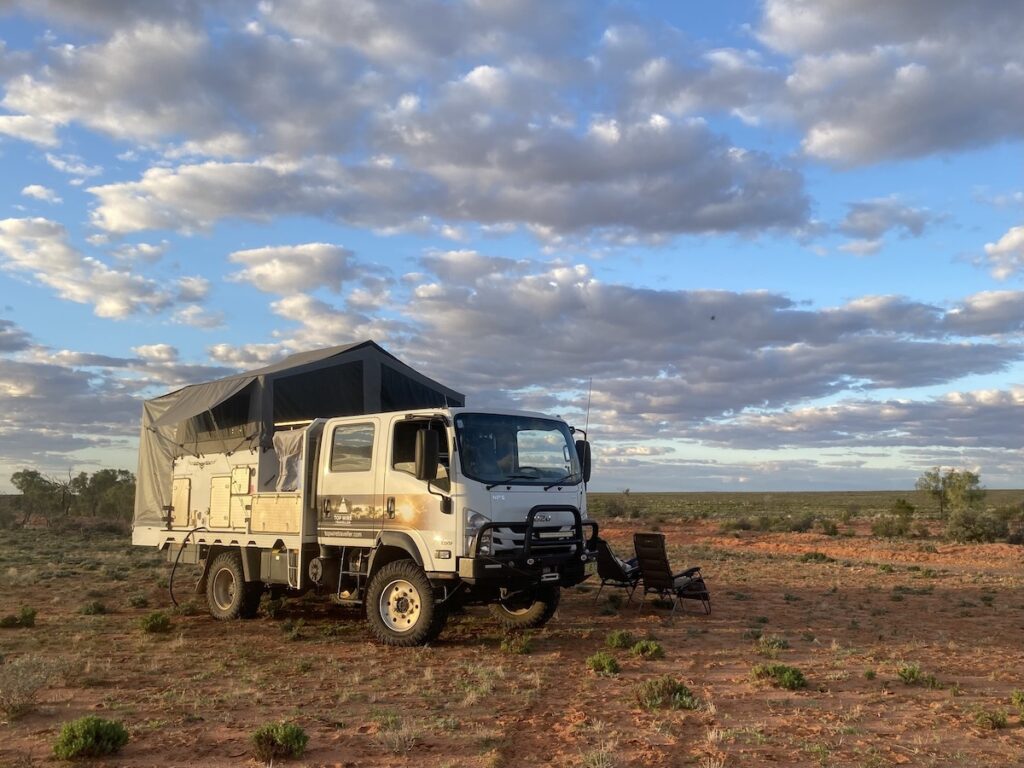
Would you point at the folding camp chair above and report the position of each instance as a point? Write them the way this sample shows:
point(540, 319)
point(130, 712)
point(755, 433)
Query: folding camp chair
point(616, 572)
point(657, 576)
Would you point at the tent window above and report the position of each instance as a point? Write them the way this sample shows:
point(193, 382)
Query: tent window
point(352, 448)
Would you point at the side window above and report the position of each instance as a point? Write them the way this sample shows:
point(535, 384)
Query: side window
point(352, 448)
point(403, 455)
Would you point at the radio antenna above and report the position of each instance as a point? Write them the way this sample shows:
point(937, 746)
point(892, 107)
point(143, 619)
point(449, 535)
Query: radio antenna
point(590, 391)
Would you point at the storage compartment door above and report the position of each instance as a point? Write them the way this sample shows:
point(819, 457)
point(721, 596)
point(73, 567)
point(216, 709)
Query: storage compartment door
point(181, 496)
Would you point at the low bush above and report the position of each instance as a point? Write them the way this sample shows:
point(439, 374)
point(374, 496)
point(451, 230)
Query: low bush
point(738, 524)
point(816, 557)
point(829, 527)
point(25, 618)
point(157, 622)
point(20, 682)
point(780, 675)
point(279, 740)
point(90, 737)
point(1017, 699)
point(94, 608)
point(619, 638)
point(973, 525)
point(770, 645)
point(665, 693)
point(911, 674)
point(992, 719)
point(517, 644)
point(648, 649)
point(603, 663)
point(138, 601)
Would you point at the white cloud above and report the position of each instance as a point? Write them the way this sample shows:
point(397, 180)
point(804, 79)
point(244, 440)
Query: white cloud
point(899, 80)
point(288, 269)
point(39, 192)
point(29, 128)
point(159, 353)
point(73, 165)
point(1006, 255)
point(40, 247)
point(198, 317)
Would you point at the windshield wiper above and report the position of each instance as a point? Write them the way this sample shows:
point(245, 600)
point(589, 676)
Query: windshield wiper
point(560, 481)
point(511, 477)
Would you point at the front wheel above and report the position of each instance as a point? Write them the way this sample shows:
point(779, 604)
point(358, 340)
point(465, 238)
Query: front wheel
point(528, 611)
point(400, 606)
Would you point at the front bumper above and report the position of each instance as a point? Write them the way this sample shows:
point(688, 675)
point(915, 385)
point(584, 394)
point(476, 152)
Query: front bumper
point(548, 552)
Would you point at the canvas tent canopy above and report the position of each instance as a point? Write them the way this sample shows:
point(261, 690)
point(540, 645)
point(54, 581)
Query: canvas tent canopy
point(239, 412)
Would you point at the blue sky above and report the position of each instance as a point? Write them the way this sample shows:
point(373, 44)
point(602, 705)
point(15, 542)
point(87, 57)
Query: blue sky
point(783, 239)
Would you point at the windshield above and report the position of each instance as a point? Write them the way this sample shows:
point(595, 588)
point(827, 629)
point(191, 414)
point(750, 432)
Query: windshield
point(519, 450)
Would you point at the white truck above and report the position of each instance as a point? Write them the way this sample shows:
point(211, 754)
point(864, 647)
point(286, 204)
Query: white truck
point(407, 511)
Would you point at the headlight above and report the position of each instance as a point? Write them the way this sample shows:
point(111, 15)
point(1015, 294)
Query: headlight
point(474, 522)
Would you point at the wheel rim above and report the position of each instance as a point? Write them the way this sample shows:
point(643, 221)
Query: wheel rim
point(400, 605)
point(224, 588)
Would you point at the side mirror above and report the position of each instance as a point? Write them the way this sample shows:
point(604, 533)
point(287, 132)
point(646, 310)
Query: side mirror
point(428, 454)
point(583, 451)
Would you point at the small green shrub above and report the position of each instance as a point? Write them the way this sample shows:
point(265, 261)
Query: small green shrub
point(293, 629)
point(90, 737)
point(273, 607)
point(615, 600)
point(992, 719)
point(619, 638)
point(156, 623)
point(25, 618)
point(665, 693)
point(20, 682)
point(911, 674)
point(94, 608)
point(973, 525)
point(816, 557)
point(770, 645)
point(780, 675)
point(1017, 699)
point(138, 601)
point(603, 663)
point(648, 649)
point(279, 740)
point(517, 644)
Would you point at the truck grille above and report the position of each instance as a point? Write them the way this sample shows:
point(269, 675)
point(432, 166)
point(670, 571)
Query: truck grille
point(547, 540)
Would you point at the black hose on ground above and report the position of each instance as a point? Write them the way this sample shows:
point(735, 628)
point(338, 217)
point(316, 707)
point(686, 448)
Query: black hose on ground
point(170, 580)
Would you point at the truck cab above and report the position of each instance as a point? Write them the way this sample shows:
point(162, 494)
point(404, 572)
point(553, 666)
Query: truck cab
point(489, 505)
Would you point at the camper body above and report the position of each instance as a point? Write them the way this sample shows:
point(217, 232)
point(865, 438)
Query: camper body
point(408, 513)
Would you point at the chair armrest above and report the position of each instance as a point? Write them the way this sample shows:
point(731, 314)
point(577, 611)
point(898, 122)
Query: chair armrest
point(689, 572)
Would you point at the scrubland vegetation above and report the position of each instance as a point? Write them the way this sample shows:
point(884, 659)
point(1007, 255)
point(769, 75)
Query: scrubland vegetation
point(847, 630)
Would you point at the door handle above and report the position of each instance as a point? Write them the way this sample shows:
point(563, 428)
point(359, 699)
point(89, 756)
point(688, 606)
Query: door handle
point(327, 507)
point(391, 507)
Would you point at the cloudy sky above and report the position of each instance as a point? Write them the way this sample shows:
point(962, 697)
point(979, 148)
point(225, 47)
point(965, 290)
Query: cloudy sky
point(784, 240)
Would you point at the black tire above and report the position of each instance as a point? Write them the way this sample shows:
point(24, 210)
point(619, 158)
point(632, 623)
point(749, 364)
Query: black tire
point(400, 606)
point(524, 613)
point(227, 592)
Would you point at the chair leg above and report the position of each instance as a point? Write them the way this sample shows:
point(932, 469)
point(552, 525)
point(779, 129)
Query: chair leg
point(598, 595)
point(630, 600)
point(675, 604)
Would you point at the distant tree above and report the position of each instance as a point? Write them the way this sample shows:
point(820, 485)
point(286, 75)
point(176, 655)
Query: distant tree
point(105, 493)
point(954, 489)
point(39, 494)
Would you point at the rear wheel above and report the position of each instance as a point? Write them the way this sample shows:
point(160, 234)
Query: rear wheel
point(529, 610)
point(400, 606)
point(227, 592)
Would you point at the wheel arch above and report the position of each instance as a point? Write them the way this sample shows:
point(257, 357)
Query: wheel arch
point(392, 546)
point(250, 562)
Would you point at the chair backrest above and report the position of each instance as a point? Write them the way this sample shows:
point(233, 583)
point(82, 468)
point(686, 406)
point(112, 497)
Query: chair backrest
point(608, 566)
point(653, 560)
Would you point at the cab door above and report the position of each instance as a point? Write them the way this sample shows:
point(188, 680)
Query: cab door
point(350, 487)
point(413, 507)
